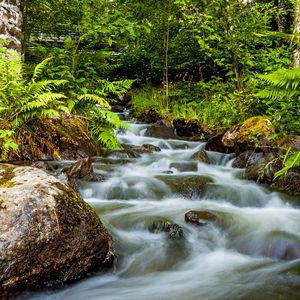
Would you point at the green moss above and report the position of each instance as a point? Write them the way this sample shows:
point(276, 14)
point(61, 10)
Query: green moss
point(253, 128)
point(6, 176)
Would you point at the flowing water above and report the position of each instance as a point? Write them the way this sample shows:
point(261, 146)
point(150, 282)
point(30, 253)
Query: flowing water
point(253, 255)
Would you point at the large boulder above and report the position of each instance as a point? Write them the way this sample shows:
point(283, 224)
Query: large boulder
point(48, 234)
point(252, 134)
point(66, 138)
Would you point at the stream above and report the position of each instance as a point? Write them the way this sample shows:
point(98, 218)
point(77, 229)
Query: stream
point(253, 255)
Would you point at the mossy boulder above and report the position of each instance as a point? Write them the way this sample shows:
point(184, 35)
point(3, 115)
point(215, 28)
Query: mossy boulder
point(66, 138)
point(253, 133)
point(48, 234)
point(186, 185)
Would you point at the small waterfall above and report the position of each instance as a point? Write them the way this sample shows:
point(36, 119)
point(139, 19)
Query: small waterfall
point(252, 253)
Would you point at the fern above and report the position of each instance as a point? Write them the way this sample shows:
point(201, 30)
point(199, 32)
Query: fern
point(40, 68)
point(95, 99)
point(281, 98)
point(290, 161)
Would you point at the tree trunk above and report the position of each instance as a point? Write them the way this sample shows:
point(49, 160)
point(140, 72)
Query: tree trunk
point(296, 34)
point(11, 22)
point(166, 39)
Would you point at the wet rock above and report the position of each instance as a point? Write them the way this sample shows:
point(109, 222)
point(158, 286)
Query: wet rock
point(264, 169)
point(184, 166)
point(187, 128)
point(57, 138)
point(215, 144)
point(186, 185)
point(145, 148)
point(201, 156)
point(120, 154)
point(253, 133)
point(290, 142)
point(81, 169)
point(275, 244)
point(247, 159)
point(164, 225)
point(201, 217)
point(290, 183)
point(150, 115)
point(49, 235)
point(162, 129)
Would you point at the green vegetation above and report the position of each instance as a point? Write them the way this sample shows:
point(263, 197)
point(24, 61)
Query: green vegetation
point(219, 62)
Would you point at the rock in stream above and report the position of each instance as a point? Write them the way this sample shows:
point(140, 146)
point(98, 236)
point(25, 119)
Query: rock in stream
point(48, 234)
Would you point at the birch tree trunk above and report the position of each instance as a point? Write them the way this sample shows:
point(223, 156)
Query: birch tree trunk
point(11, 22)
point(297, 33)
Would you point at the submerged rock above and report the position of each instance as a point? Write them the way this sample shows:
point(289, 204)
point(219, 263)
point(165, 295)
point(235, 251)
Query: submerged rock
point(48, 234)
point(186, 185)
point(145, 148)
point(164, 225)
point(184, 166)
point(201, 217)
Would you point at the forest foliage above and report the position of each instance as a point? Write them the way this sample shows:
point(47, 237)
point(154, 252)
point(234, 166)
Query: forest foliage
point(215, 61)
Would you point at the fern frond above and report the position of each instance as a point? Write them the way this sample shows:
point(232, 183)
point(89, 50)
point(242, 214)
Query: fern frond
point(49, 97)
point(95, 99)
point(111, 119)
point(114, 87)
point(39, 69)
point(43, 86)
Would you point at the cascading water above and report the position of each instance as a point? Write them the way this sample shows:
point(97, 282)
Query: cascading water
point(253, 255)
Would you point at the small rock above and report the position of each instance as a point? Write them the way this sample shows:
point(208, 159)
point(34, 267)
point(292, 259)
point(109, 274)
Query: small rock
point(215, 144)
point(184, 166)
point(162, 129)
point(201, 156)
point(164, 225)
point(247, 159)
